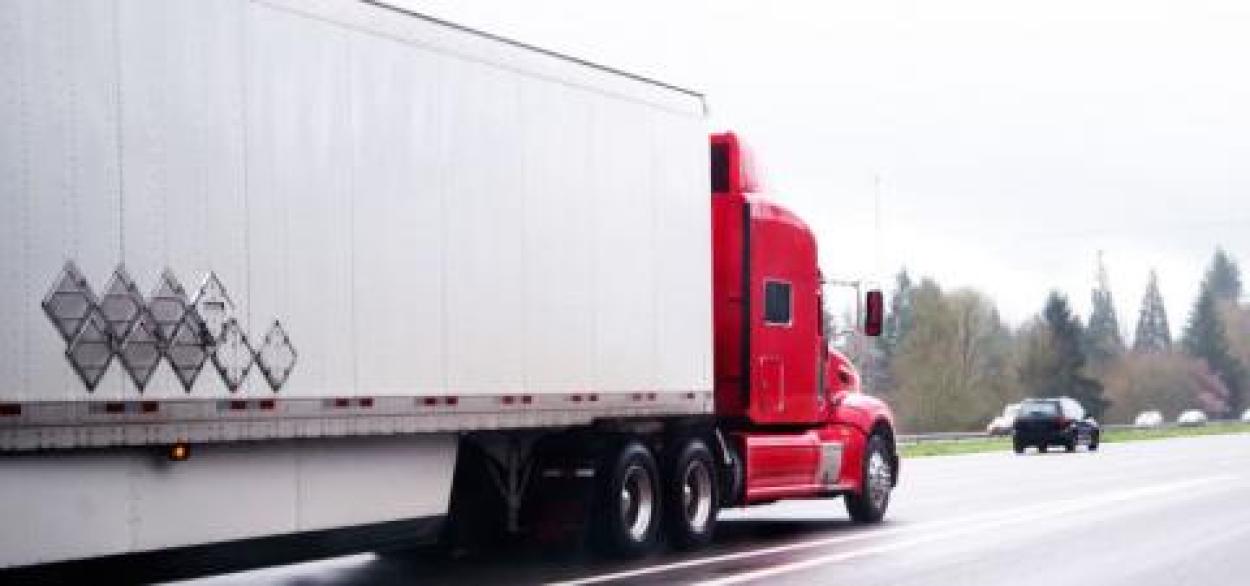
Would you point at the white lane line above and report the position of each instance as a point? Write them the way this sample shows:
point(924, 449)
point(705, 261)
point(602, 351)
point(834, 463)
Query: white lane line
point(866, 533)
point(1054, 510)
point(938, 527)
point(728, 557)
point(310, 572)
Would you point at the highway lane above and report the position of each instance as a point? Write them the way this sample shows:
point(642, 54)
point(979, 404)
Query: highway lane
point(1142, 513)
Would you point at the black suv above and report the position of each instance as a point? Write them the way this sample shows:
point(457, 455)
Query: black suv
point(1053, 422)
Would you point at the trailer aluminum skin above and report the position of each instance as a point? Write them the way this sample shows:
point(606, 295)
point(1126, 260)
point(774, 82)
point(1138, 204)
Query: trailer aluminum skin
point(275, 268)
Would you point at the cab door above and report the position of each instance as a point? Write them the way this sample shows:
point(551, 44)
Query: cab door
point(785, 310)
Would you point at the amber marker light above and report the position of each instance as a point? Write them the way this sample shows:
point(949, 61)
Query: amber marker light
point(179, 452)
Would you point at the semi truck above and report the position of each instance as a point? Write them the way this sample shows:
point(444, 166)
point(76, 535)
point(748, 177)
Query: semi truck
point(336, 271)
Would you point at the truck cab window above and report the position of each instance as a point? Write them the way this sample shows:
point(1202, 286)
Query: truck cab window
point(720, 168)
point(776, 303)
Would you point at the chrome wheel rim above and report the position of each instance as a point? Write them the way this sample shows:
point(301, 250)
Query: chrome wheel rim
point(880, 478)
point(637, 502)
point(696, 495)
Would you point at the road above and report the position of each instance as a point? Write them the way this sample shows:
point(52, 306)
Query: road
point(1143, 513)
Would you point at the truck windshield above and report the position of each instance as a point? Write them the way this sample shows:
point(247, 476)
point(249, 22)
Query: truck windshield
point(1039, 409)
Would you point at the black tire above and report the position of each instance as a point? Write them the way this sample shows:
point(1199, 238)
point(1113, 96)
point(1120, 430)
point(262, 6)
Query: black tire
point(1093, 442)
point(1017, 446)
point(691, 495)
point(625, 521)
point(1041, 448)
point(1070, 446)
point(870, 503)
point(733, 480)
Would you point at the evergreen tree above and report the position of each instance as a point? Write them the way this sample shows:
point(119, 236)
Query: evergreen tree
point(899, 319)
point(1153, 335)
point(1103, 341)
point(1061, 370)
point(1223, 278)
point(1205, 336)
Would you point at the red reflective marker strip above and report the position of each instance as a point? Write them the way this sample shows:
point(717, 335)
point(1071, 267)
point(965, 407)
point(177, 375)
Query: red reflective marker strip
point(149, 407)
point(267, 404)
point(453, 401)
point(10, 409)
point(429, 401)
point(527, 399)
point(238, 405)
point(341, 403)
point(114, 407)
point(366, 402)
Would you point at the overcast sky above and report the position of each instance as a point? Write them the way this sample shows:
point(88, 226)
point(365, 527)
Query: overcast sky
point(1013, 140)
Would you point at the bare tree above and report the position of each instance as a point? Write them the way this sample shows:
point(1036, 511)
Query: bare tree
point(953, 367)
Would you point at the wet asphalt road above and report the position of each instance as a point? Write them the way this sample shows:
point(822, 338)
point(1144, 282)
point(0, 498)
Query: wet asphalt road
point(1144, 513)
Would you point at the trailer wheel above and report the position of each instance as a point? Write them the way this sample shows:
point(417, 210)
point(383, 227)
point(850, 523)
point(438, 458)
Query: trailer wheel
point(628, 508)
point(691, 497)
point(869, 504)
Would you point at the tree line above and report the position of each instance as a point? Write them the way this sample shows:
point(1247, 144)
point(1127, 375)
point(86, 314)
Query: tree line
point(947, 361)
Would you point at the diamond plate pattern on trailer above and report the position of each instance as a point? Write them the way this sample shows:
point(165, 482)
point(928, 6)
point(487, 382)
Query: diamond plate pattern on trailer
point(187, 351)
point(141, 352)
point(121, 303)
point(168, 304)
point(276, 356)
point(69, 302)
point(213, 305)
point(91, 351)
point(140, 332)
point(233, 355)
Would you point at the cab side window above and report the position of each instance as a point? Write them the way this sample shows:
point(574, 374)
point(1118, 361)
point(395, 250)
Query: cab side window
point(776, 303)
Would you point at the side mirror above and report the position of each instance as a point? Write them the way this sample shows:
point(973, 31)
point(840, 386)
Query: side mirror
point(874, 313)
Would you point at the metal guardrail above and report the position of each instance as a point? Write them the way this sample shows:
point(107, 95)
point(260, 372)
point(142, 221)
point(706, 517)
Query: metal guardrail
point(942, 436)
point(956, 436)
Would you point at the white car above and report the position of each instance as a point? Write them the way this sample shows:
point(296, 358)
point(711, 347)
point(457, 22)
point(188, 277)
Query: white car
point(1192, 418)
point(1245, 417)
point(1148, 419)
point(1001, 425)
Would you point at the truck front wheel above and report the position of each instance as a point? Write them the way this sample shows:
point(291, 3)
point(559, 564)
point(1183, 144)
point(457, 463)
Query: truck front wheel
point(628, 508)
point(691, 498)
point(869, 504)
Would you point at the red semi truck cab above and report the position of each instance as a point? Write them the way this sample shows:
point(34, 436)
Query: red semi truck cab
point(791, 406)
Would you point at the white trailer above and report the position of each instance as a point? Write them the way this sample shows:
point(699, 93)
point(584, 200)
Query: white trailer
point(318, 242)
